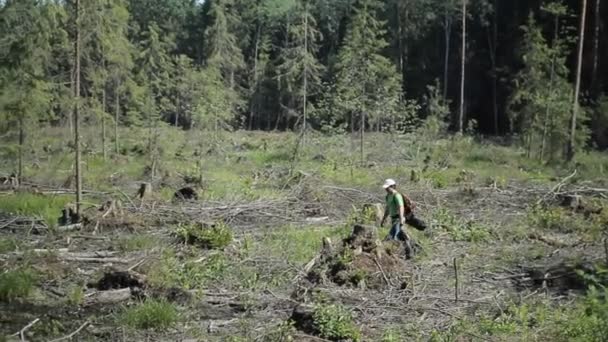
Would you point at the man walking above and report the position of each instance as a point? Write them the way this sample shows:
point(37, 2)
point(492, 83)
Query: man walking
point(401, 211)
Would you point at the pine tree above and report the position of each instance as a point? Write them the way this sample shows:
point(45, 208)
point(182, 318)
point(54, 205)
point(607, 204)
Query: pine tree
point(223, 52)
point(299, 68)
point(27, 32)
point(154, 75)
point(367, 83)
point(541, 101)
point(570, 151)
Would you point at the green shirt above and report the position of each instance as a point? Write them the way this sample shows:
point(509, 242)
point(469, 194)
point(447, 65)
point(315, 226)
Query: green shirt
point(393, 202)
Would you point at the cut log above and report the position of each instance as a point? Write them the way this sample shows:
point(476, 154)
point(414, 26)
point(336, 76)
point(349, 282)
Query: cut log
point(108, 297)
point(145, 191)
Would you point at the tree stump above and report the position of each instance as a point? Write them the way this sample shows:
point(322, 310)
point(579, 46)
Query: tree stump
point(145, 191)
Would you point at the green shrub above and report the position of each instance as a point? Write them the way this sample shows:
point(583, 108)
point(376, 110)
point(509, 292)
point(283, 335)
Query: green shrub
point(335, 322)
point(216, 237)
point(8, 245)
point(136, 243)
point(47, 208)
point(547, 218)
point(170, 271)
point(458, 229)
point(16, 284)
point(151, 314)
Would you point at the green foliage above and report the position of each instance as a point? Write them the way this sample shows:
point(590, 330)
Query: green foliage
point(391, 335)
point(151, 314)
point(217, 236)
point(335, 322)
point(75, 295)
point(361, 68)
point(137, 242)
point(47, 208)
point(541, 101)
point(16, 284)
point(8, 245)
point(172, 271)
point(459, 229)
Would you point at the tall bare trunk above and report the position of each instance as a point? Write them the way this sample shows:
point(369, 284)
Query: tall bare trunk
point(77, 112)
point(254, 99)
point(446, 62)
point(543, 143)
point(21, 142)
point(116, 115)
point(493, 42)
point(596, 45)
point(305, 85)
point(577, 87)
point(362, 135)
point(462, 66)
point(103, 124)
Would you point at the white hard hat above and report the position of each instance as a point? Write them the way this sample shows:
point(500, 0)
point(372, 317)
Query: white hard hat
point(389, 182)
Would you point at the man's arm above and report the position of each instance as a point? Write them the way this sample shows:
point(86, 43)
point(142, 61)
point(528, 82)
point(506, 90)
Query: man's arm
point(402, 214)
point(385, 215)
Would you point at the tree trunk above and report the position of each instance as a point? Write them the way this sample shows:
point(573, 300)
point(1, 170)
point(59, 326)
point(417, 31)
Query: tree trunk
point(596, 46)
point(116, 115)
point(493, 42)
point(577, 87)
point(21, 141)
point(446, 62)
point(77, 112)
point(543, 143)
point(252, 110)
point(103, 124)
point(462, 70)
point(179, 103)
point(400, 45)
point(361, 136)
point(305, 88)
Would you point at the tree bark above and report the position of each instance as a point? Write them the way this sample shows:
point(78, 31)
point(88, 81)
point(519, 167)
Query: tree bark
point(305, 86)
point(547, 114)
point(21, 142)
point(77, 112)
point(361, 136)
point(493, 42)
point(446, 61)
point(103, 124)
point(577, 87)
point(253, 107)
point(596, 46)
point(462, 70)
point(116, 115)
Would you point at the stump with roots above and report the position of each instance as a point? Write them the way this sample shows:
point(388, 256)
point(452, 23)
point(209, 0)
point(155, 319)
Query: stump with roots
point(145, 191)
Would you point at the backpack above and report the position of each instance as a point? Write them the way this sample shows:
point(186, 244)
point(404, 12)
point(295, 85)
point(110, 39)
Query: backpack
point(408, 204)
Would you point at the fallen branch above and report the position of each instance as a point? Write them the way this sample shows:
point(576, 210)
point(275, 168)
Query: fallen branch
point(556, 188)
point(107, 297)
point(383, 274)
point(99, 260)
point(74, 333)
point(21, 333)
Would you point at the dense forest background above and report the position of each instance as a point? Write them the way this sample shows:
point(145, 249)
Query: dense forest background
point(331, 65)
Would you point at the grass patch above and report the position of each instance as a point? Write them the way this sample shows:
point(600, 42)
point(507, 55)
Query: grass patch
point(137, 243)
point(171, 271)
point(17, 284)
point(298, 244)
point(216, 237)
point(8, 245)
point(335, 322)
point(47, 208)
point(459, 229)
point(151, 314)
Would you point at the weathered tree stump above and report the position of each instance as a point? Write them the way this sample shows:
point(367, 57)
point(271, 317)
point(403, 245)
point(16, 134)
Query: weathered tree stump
point(186, 194)
point(145, 191)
